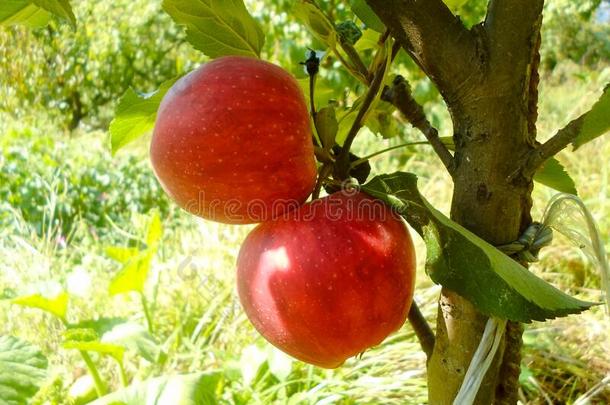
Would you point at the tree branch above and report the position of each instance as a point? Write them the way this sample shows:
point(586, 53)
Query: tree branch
point(400, 95)
point(512, 28)
point(436, 40)
point(422, 329)
point(550, 148)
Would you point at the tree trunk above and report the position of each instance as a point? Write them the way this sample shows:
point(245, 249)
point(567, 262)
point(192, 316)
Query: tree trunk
point(488, 77)
point(489, 132)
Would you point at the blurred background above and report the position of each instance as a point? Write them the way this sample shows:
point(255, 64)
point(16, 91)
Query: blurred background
point(64, 199)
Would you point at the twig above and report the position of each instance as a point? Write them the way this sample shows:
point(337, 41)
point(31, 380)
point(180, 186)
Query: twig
point(343, 162)
point(550, 148)
point(424, 333)
point(528, 165)
point(400, 95)
point(391, 148)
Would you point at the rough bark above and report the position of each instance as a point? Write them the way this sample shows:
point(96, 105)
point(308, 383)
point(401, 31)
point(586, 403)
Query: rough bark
point(487, 77)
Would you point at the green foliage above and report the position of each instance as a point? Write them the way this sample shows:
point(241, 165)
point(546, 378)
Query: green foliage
point(135, 115)
point(190, 389)
point(23, 12)
point(553, 174)
point(367, 16)
point(35, 13)
point(23, 369)
point(597, 121)
point(56, 305)
point(136, 262)
point(518, 295)
point(80, 74)
point(54, 184)
point(571, 31)
point(218, 27)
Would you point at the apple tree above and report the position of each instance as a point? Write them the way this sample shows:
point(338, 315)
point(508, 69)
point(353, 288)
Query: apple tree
point(488, 76)
point(259, 139)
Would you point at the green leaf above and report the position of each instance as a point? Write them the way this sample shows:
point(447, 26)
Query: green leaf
point(463, 262)
point(88, 340)
point(455, 5)
point(190, 389)
point(280, 364)
point(135, 115)
point(327, 126)
point(369, 40)
point(316, 21)
point(553, 174)
point(218, 27)
point(380, 121)
point(60, 8)
point(23, 369)
point(366, 15)
point(132, 276)
point(56, 305)
point(23, 12)
point(134, 337)
point(34, 13)
point(597, 121)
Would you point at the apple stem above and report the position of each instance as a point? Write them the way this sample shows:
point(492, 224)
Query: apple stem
point(422, 329)
point(325, 171)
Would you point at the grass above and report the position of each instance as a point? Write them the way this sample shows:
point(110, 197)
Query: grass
point(199, 322)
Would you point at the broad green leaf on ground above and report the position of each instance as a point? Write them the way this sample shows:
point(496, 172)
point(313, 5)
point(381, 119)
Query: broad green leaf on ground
point(553, 174)
point(100, 326)
point(23, 12)
point(280, 364)
point(56, 305)
point(134, 337)
point(597, 121)
point(191, 389)
point(366, 15)
point(135, 115)
point(23, 369)
point(34, 13)
point(218, 27)
point(251, 360)
point(88, 340)
point(121, 254)
point(132, 276)
point(463, 262)
point(316, 21)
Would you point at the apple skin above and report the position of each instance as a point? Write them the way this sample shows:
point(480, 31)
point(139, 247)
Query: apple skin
point(328, 280)
point(232, 142)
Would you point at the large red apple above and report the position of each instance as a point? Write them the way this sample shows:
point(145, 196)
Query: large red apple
point(328, 280)
point(232, 141)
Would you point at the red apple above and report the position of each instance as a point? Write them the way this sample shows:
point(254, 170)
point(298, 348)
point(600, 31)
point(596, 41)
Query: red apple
point(329, 280)
point(232, 141)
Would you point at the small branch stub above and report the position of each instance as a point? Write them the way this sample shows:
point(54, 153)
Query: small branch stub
point(400, 96)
